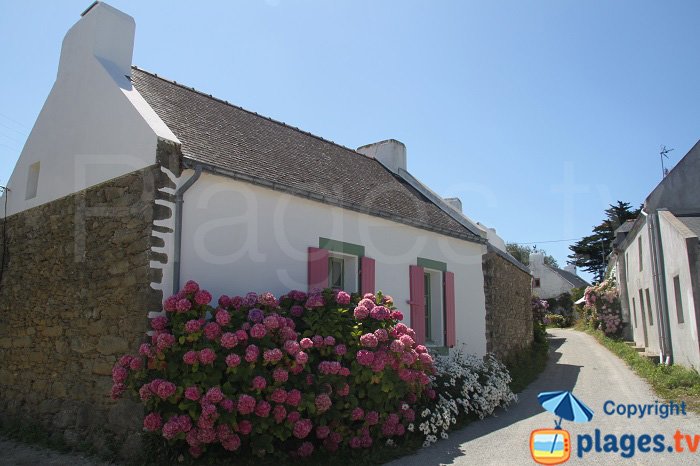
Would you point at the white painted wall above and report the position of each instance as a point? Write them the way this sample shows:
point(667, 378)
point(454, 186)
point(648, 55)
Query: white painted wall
point(684, 336)
point(238, 237)
point(551, 283)
point(94, 126)
point(642, 280)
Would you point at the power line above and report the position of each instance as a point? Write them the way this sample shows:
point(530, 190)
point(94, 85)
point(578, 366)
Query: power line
point(551, 241)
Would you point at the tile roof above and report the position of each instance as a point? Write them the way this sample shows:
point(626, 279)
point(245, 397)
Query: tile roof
point(237, 141)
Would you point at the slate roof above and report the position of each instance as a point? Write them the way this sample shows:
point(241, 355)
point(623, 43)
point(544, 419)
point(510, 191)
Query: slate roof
point(572, 278)
point(693, 223)
point(239, 142)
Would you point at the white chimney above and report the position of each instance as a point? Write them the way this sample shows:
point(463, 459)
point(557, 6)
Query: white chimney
point(390, 153)
point(455, 203)
point(102, 33)
point(536, 258)
point(571, 268)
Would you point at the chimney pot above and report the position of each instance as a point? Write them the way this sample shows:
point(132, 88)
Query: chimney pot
point(390, 153)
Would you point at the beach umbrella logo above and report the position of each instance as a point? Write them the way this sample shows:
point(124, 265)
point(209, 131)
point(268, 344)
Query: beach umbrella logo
point(553, 446)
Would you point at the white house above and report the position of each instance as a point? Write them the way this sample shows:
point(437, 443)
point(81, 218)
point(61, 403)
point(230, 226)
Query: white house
point(657, 258)
point(256, 204)
point(550, 282)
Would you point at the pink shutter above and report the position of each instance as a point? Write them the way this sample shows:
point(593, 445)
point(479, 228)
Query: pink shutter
point(318, 269)
point(366, 275)
point(450, 324)
point(417, 288)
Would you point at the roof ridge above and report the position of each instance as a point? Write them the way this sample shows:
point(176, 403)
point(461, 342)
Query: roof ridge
point(226, 102)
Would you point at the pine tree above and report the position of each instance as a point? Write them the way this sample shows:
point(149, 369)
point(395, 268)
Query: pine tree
point(590, 252)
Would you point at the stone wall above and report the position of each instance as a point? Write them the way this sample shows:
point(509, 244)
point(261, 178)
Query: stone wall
point(508, 307)
point(75, 295)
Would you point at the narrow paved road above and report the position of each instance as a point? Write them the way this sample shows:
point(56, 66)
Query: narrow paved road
point(577, 363)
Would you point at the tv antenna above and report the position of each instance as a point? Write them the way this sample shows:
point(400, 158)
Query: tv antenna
point(663, 153)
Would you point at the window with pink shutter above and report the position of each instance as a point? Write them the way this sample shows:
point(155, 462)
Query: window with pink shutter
point(417, 302)
point(367, 279)
point(318, 269)
point(450, 320)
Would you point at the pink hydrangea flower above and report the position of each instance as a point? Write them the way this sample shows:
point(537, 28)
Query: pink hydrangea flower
point(318, 341)
point(396, 346)
point(192, 393)
point(279, 413)
point(271, 322)
point(323, 403)
point(193, 325)
point(159, 323)
point(231, 443)
point(272, 356)
point(119, 374)
point(361, 312)
point(258, 331)
point(280, 375)
point(207, 356)
point(170, 304)
point(183, 305)
point(407, 341)
point(302, 428)
point(214, 395)
point(365, 357)
point(227, 405)
point(369, 340)
point(202, 297)
point(246, 404)
point(397, 315)
point(367, 303)
point(212, 331)
point(296, 310)
point(314, 300)
point(305, 449)
point(259, 383)
point(242, 336)
point(344, 390)
point(322, 432)
point(145, 393)
point(341, 349)
point(152, 422)
point(279, 395)
point(251, 353)
point(380, 313)
point(164, 341)
point(425, 358)
point(262, 409)
point(224, 301)
point(291, 347)
point(381, 334)
point(268, 299)
point(342, 298)
point(222, 317)
point(170, 429)
point(306, 343)
point(293, 397)
point(233, 360)
point(136, 364)
point(329, 341)
point(301, 358)
point(191, 287)
point(190, 358)
point(229, 340)
point(245, 427)
point(165, 389)
point(372, 418)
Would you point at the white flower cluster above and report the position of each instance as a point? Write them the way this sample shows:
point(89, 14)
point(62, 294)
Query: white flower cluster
point(464, 384)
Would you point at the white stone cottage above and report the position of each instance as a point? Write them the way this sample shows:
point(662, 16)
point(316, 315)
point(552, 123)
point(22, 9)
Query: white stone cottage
point(657, 262)
point(129, 184)
point(550, 282)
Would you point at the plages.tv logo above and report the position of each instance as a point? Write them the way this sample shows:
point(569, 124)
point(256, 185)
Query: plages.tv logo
point(553, 446)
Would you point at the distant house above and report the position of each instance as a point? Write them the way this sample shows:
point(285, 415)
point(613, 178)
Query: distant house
point(550, 282)
point(657, 261)
point(129, 184)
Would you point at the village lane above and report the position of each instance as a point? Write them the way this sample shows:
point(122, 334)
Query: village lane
point(579, 364)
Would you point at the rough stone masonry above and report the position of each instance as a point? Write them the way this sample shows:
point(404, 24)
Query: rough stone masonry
point(74, 296)
point(507, 290)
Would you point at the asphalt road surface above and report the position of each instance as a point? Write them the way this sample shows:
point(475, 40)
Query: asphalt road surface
point(579, 364)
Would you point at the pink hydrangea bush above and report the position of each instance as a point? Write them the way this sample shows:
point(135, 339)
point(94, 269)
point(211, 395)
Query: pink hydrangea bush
point(296, 375)
point(602, 308)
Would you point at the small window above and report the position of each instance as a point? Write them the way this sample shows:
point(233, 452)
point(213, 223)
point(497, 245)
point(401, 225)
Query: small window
point(32, 180)
point(634, 312)
point(641, 303)
point(679, 299)
point(649, 313)
point(537, 282)
point(336, 272)
point(639, 246)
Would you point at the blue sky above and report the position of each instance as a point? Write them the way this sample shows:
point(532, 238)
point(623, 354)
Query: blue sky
point(537, 114)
